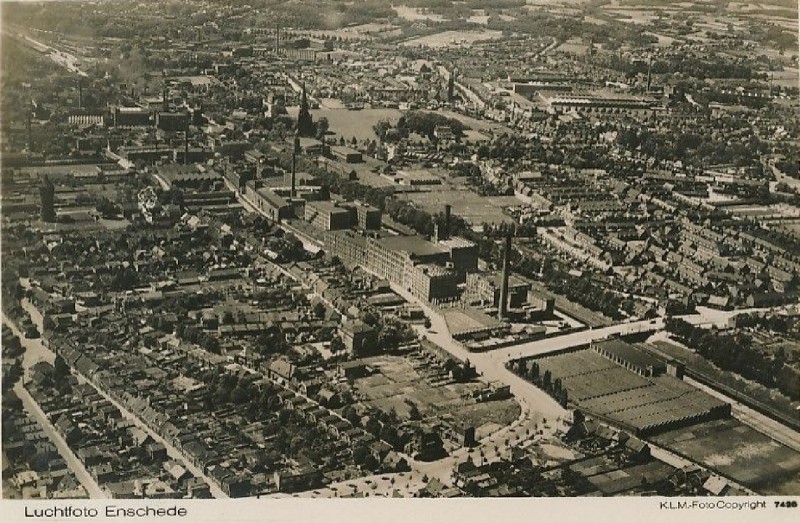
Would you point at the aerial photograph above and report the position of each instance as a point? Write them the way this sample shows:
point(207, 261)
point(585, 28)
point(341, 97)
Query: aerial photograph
point(399, 249)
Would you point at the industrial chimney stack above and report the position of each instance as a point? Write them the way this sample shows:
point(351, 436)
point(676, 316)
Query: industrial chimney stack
point(446, 233)
point(503, 308)
point(295, 150)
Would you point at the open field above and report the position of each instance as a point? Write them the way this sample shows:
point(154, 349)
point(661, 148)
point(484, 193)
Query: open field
point(347, 123)
point(453, 38)
point(573, 47)
point(414, 14)
point(474, 208)
point(738, 451)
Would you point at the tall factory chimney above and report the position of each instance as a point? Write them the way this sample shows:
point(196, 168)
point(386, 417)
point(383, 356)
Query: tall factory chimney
point(295, 150)
point(649, 67)
point(47, 210)
point(80, 93)
point(28, 129)
point(444, 235)
point(503, 307)
point(277, 38)
point(451, 86)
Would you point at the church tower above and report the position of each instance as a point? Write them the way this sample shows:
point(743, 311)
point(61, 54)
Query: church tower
point(305, 124)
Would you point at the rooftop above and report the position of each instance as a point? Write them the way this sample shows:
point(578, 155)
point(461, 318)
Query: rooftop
point(629, 353)
point(413, 245)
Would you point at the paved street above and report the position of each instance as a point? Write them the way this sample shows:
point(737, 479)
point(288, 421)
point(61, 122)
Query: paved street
point(35, 351)
point(74, 464)
point(172, 452)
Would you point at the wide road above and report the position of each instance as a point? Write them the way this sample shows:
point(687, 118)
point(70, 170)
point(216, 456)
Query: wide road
point(566, 341)
point(492, 368)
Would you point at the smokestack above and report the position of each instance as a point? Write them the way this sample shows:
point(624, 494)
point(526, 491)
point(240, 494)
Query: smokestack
point(277, 38)
point(80, 93)
point(186, 145)
point(503, 308)
point(649, 67)
point(295, 149)
point(451, 86)
point(446, 233)
point(28, 130)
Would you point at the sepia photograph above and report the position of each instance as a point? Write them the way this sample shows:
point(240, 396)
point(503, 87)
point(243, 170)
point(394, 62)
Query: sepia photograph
point(405, 253)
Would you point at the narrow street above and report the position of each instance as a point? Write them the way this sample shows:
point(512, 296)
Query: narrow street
point(172, 452)
point(73, 463)
point(35, 351)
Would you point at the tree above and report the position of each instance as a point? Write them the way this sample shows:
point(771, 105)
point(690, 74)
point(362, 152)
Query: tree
point(533, 372)
point(61, 369)
point(389, 435)
point(360, 453)
point(557, 385)
point(373, 426)
point(337, 345)
point(351, 415)
point(239, 395)
point(106, 208)
point(322, 127)
point(371, 462)
point(546, 380)
point(319, 310)
point(413, 412)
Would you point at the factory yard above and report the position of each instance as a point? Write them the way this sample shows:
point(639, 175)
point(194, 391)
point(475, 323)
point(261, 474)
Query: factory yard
point(400, 383)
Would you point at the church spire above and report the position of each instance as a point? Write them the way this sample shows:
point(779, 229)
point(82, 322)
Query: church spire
point(305, 124)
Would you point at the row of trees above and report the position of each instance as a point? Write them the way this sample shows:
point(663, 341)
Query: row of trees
point(772, 322)
point(421, 122)
point(544, 380)
point(732, 352)
point(691, 148)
